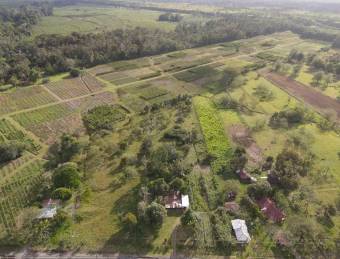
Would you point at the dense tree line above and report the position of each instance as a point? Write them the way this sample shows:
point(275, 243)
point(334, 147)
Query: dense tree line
point(24, 61)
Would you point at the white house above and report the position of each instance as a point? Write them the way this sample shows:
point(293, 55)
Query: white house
point(241, 230)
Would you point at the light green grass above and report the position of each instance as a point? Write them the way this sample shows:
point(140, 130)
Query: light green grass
point(96, 19)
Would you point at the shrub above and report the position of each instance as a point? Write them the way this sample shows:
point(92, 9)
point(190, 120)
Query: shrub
point(75, 72)
point(63, 194)
point(130, 220)
point(263, 93)
point(155, 214)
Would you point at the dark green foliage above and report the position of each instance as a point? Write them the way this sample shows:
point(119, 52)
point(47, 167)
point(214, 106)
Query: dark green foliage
point(170, 17)
point(239, 159)
point(63, 150)
point(288, 167)
point(295, 56)
point(10, 151)
point(259, 190)
point(226, 102)
point(181, 136)
point(63, 194)
point(158, 187)
point(75, 72)
point(179, 184)
point(102, 117)
point(287, 118)
point(162, 162)
point(189, 218)
point(67, 175)
point(155, 214)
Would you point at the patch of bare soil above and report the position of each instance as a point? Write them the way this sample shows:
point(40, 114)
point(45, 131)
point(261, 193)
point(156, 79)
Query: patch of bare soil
point(242, 136)
point(320, 102)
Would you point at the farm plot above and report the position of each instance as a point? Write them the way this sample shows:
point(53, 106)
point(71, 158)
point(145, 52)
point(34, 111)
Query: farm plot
point(320, 102)
point(8, 169)
point(9, 132)
point(217, 143)
point(24, 98)
point(17, 192)
point(130, 76)
point(49, 123)
point(70, 88)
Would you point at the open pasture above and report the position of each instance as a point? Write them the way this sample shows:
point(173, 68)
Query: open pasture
point(82, 18)
point(24, 98)
point(70, 88)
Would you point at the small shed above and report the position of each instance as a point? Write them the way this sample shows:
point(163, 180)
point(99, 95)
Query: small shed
point(176, 200)
point(241, 230)
point(49, 210)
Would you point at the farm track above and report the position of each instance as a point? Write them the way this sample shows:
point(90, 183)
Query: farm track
point(306, 94)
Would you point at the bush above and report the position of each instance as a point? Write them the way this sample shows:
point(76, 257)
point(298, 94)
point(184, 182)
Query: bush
point(263, 93)
point(130, 220)
point(67, 175)
point(63, 194)
point(75, 72)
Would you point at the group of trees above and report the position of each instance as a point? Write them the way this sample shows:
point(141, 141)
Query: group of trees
point(170, 17)
point(25, 60)
point(10, 151)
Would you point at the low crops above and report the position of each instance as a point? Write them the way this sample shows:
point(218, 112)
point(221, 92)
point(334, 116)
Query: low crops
point(217, 143)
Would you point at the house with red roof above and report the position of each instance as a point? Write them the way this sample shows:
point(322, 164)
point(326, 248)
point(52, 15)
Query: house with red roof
point(270, 210)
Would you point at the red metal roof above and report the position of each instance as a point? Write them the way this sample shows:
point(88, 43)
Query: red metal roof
point(268, 208)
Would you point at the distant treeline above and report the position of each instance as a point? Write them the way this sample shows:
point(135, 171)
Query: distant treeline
point(25, 60)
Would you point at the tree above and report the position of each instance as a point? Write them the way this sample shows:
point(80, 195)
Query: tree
point(158, 187)
point(318, 77)
point(239, 159)
point(62, 193)
point(155, 214)
point(189, 218)
point(10, 151)
point(259, 190)
point(75, 72)
point(66, 175)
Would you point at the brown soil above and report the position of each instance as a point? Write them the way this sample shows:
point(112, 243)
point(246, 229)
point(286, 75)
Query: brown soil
point(320, 102)
point(242, 136)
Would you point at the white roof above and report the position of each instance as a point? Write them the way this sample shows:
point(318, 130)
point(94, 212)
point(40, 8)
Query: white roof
point(48, 213)
point(241, 230)
point(185, 201)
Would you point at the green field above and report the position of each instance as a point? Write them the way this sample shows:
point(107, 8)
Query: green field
point(96, 19)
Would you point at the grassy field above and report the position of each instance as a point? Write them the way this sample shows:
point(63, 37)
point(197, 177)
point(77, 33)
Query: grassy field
point(96, 19)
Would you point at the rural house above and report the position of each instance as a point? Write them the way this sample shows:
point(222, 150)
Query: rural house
point(241, 230)
point(269, 209)
point(176, 200)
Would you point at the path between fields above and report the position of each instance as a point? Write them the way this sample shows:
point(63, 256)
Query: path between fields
point(306, 94)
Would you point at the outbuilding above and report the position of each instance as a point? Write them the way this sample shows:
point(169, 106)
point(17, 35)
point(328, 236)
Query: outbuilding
point(241, 230)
